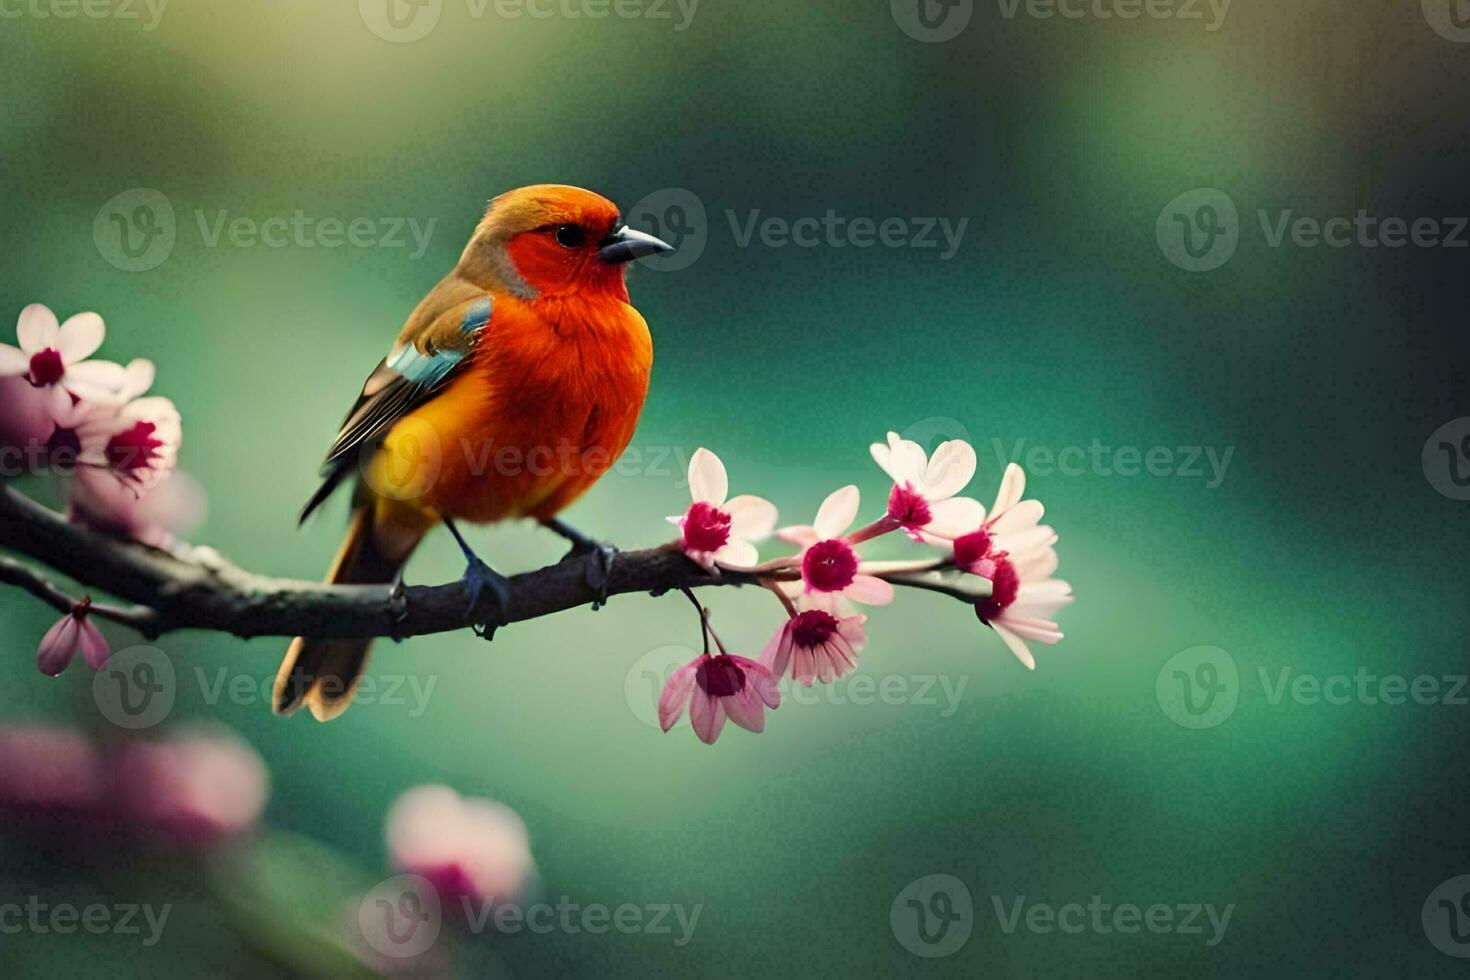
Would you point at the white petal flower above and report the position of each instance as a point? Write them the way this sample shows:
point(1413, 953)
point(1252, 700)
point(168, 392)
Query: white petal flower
point(714, 530)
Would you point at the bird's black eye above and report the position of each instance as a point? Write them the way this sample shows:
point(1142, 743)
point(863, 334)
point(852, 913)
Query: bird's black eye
point(571, 236)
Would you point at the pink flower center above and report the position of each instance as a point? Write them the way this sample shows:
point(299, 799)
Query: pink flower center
point(1005, 584)
point(812, 628)
point(970, 548)
point(450, 880)
point(706, 528)
point(134, 448)
point(720, 677)
point(46, 367)
point(907, 506)
point(829, 566)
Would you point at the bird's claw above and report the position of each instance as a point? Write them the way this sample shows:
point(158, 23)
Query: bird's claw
point(599, 570)
point(480, 578)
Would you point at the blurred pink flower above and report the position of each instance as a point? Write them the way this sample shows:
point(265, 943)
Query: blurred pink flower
point(193, 787)
point(473, 848)
point(155, 517)
point(72, 632)
point(816, 645)
point(716, 687)
point(48, 769)
point(717, 531)
point(829, 563)
point(53, 359)
point(25, 424)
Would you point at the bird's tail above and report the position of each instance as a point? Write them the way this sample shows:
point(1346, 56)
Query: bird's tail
point(323, 674)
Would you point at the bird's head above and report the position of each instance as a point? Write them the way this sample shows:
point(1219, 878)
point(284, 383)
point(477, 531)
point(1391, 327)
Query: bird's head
point(551, 239)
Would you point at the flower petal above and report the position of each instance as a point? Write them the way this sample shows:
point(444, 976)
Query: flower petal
point(708, 483)
point(745, 709)
point(707, 714)
point(79, 337)
point(94, 645)
point(949, 471)
point(955, 516)
point(802, 534)
point(752, 518)
point(759, 679)
point(837, 512)
point(737, 555)
point(1031, 628)
point(1012, 487)
point(13, 361)
point(676, 694)
point(36, 329)
point(777, 654)
point(1019, 517)
point(58, 403)
point(58, 646)
point(869, 590)
point(906, 460)
point(1017, 645)
point(102, 380)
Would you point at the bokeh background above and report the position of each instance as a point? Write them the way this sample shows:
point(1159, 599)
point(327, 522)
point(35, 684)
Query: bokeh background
point(1324, 548)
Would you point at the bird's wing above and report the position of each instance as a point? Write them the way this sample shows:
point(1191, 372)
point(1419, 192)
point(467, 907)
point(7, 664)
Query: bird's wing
point(428, 353)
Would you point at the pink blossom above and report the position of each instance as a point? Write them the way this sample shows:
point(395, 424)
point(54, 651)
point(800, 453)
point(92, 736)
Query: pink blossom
point(923, 500)
point(816, 645)
point(72, 632)
point(714, 530)
point(716, 687)
point(156, 517)
point(829, 563)
point(196, 787)
point(1016, 552)
point(467, 847)
point(25, 423)
point(138, 444)
point(53, 359)
point(46, 769)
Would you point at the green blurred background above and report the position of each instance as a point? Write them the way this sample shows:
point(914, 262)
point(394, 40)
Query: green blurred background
point(1324, 549)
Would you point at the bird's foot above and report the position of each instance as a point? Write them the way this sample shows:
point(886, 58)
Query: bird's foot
point(599, 572)
point(480, 578)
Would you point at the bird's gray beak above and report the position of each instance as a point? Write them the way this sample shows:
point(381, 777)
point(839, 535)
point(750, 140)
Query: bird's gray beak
point(624, 245)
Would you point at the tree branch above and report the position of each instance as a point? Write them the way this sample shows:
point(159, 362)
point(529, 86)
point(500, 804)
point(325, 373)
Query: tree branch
point(196, 588)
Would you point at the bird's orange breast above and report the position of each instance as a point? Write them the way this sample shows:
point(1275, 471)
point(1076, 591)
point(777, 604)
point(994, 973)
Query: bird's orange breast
point(546, 404)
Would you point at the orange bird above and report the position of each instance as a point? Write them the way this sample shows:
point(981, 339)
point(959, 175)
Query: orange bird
point(512, 388)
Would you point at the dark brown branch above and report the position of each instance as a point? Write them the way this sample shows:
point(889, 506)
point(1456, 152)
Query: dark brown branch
point(196, 588)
